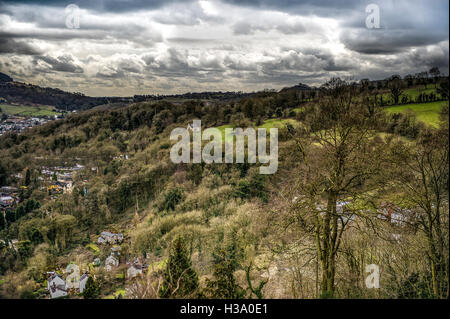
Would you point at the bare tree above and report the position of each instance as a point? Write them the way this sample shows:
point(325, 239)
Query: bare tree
point(422, 173)
point(434, 72)
point(340, 156)
point(396, 89)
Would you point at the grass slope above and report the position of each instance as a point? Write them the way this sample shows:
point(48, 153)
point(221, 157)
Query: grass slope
point(268, 124)
point(425, 112)
point(23, 110)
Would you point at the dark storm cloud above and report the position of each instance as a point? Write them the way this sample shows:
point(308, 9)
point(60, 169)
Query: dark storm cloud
point(436, 56)
point(403, 25)
point(175, 64)
point(317, 7)
point(63, 63)
point(17, 47)
point(387, 42)
point(282, 78)
point(116, 6)
point(124, 46)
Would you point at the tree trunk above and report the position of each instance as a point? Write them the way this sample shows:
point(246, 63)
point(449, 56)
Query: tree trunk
point(327, 239)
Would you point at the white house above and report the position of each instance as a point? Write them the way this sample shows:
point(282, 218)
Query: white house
point(134, 270)
point(110, 238)
point(96, 261)
point(111, 262)
point(397, 237)
point(83, 281)
point(13, 244)
point(115, 250)
point(56, 285)
point(6, 201)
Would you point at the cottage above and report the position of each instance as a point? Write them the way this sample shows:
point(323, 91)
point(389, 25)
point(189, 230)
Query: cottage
point(110, 238)
point(8, 190)
point(13, 244)
point(111, 262)
point(134, 270)
point(6, 201)
point(115, 250)
point(83, 281)
point(56, 285)
point(394, 214)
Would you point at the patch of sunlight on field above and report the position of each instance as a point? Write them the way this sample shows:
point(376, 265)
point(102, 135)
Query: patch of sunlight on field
point(268, 124)
point(425, 112)
point(412, 93)
point(278, 123)
point(24, 110)
point(93, 247)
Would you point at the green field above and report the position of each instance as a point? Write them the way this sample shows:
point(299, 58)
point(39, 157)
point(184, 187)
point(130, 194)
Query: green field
point(415, 92)
point(278, 123)
point(268, 124)
point(411, 93)
point(425, 112)
point(24, 110)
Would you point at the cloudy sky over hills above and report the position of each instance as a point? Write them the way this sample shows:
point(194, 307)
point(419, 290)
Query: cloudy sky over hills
point(127, 47)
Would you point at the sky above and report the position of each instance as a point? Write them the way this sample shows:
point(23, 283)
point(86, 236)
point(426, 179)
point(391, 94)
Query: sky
point(124, 47)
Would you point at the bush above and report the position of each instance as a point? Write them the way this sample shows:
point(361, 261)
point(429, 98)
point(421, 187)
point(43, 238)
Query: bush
point(172, 198)
point(242, 189)
point(92, 289)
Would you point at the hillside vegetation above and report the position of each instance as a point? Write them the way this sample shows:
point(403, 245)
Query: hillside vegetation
point(358, 183)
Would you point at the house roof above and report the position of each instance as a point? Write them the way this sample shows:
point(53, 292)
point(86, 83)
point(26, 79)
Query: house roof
point(85, 275)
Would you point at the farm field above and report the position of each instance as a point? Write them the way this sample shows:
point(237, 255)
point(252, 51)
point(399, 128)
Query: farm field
point(413, 92)
point(268, 124)
point(24, 110)
point(425, 112)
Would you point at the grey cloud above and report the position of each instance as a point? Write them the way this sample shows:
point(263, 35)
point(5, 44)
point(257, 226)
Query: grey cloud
point(110, 73)
point(188, 15)
point(294, 28)
point(203, 50)
point(435, 56)
point(63, 63)
point(17, 47)
point(296, 61)
point(325, 8)
point(116, 6)
point(175, 64)
point(404, 24)
point(373, 41)
point(247, 28)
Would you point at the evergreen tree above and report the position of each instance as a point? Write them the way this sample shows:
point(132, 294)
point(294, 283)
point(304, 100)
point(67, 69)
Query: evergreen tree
point(92, 290)
point(27, 177)
point(2, 174)
point(224, 284)
point(179, 279)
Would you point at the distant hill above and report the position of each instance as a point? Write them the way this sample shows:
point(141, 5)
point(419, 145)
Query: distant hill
point(298, 87)
point(5, 78)
point(221, 96)
point(23, 93)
